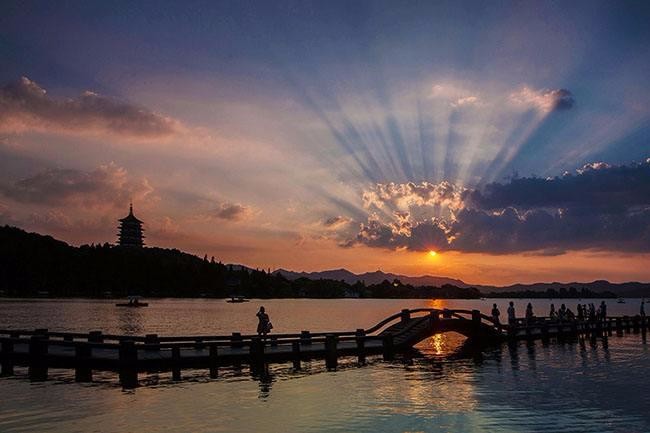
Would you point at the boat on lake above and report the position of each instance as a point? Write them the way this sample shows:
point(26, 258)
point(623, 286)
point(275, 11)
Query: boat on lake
point(620, 301)
point(133, 302)
point(237, 299)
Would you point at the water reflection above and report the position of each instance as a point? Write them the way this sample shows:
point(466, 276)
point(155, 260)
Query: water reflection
point(130, 321)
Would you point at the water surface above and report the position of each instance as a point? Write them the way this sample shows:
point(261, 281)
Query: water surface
point(579, 386)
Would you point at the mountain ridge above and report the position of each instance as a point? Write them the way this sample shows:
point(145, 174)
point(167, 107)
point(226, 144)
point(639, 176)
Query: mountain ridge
point(629, 288)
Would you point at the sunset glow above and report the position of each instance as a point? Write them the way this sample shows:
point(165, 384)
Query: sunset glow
point(345, 150)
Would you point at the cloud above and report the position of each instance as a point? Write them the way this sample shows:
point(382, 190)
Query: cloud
point(456, 95)
point(233, 212)
point(25, 106)
point(410, 195)
point(336, 222)
point(543, 100)
point(108, 184)
point(600, 207)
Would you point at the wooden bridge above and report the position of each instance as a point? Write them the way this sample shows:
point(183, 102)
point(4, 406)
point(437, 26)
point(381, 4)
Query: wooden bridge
point(40, 350)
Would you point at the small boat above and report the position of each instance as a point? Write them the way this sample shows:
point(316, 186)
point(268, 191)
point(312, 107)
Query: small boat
point(620, 301)
point(237, 299)
point(134, 302)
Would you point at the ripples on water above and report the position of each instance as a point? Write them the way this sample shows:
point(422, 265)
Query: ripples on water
point(579, 386)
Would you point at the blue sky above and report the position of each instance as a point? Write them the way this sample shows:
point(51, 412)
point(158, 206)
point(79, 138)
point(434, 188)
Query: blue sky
point(263, 132)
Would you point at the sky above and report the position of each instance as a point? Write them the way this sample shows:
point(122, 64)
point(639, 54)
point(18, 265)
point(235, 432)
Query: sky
point(511, 138)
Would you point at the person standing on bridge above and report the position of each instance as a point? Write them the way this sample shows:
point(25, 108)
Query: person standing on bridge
point(264, 323)
point(512, 319)
point(529, 314)
point(642, 311)
point(603, 311)
point(553, 313)
point(495, 315)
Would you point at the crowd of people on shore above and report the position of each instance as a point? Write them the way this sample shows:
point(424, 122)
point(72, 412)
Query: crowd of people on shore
point(584, 312)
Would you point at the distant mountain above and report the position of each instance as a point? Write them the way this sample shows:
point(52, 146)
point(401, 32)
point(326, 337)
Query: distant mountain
point(372, 277)
point(629, 289)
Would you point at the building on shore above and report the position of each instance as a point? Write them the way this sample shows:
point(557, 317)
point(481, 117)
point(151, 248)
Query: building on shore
point(130, 234)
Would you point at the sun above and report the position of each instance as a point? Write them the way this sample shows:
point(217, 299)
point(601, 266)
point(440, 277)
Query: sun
point(432, 253)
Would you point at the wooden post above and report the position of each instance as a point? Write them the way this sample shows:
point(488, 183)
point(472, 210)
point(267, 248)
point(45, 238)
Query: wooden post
point(37, 358)
point(82, 370)
point(361, 345)
point(68, 338)
point(176, 363)
point(295, 354)
point(152, 342)
point(199, 344)
point(476, 322)
point(41, 331)
point(388, 348)
point(446, 314)
point(128, 364)
point(305, 338)
point(331, 357)
point(6, 357)
point(619, 326)
point(214, 361)
point(236, 340)
point(434, 319)
point(256, 353)
point(95, 337)
point(635, 324)
point(405, 315)
point(274, 341)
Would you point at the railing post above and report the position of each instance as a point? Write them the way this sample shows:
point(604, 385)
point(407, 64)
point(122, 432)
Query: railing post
point(82, 370)
point(6, 358)
point(361, 345)
point(434, 318)
point(176, 363)
point(274, 341)
point(128, 364)
point(295, 354)
point(405, 315)
point(331, 357)
point(236, 340)
point(388, 347)
point(305, 338)
point(476, 321)
point(214, 361)
point(257, 353)
point(152, 342)
point(37, 358)
point(95, 337)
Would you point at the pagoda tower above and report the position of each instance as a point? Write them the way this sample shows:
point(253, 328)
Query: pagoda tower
point(130, 231)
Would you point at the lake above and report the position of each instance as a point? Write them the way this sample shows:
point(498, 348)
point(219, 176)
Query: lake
point(580, 386)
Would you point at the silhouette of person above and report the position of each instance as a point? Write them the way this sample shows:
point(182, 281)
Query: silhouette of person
point(512, 319)
point(263, 322)
point(495, 314)
point(529, 313)
point(562, 313)
point(603, 311)
point(581, 315)
point(642, 311)
point(552, 314)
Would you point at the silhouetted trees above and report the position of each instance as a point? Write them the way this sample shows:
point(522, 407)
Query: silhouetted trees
point(37, 265)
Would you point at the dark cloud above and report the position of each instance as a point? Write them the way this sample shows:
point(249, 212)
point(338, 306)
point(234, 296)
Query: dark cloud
point(336, 222)
point(233, 212)
point(594, 185)
point(24, 105)
point(600, 207)
point(106, 185)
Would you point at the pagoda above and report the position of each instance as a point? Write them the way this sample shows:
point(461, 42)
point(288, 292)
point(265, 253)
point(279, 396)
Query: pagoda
point(130, 231)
